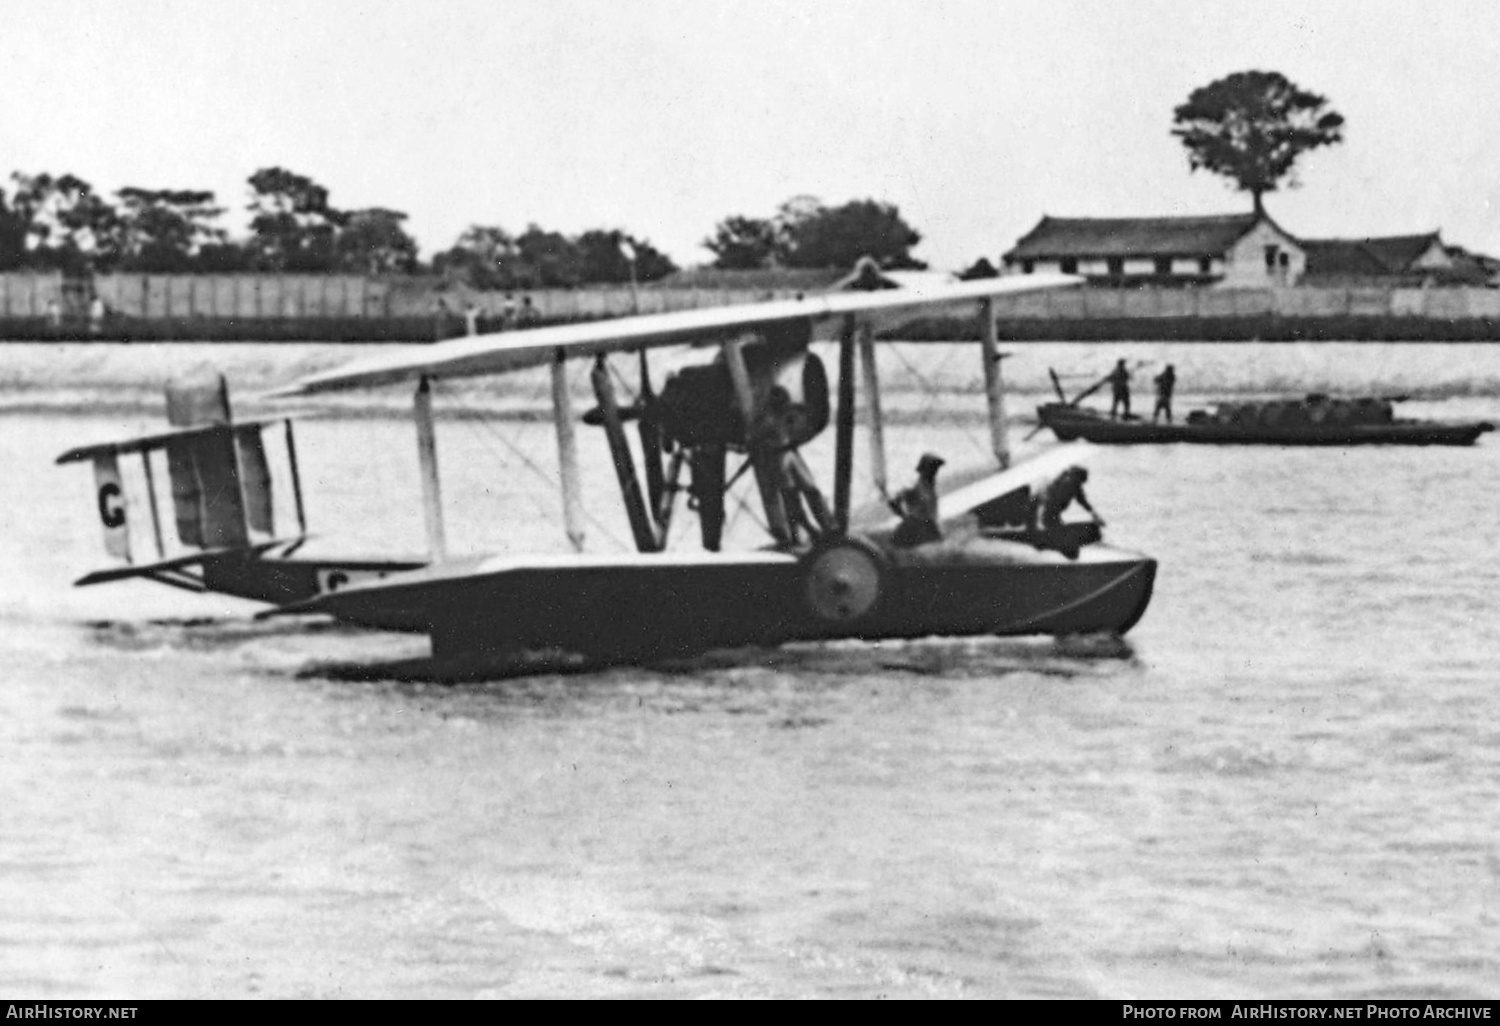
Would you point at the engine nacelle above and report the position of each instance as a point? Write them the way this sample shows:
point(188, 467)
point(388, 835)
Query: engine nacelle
point(789, 390)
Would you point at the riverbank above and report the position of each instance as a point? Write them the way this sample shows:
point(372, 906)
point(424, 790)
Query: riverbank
point(918, 379)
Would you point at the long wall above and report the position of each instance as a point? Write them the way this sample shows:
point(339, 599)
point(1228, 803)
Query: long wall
point(253, 306)
point(312, 307)
point(276, 296)
point(1153, 304)
point(1290, 314)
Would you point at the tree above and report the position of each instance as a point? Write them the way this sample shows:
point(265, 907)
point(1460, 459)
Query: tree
point(294, 228)
point(1251, 127)
point(485, 257)
point(743, 243)
point(227, 257)
point(67, 226)
point(162, 231)
point(488, 257)
point(12, 237)
point(812, 235)
point(373, 241)
point(602, 258)
point(549, 260)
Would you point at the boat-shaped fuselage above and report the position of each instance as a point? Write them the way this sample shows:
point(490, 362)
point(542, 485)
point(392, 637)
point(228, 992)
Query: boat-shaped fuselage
point(676, 603)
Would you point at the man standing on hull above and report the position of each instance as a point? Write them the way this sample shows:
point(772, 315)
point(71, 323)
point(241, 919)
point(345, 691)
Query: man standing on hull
point(1119, 383)
point(1166, 381)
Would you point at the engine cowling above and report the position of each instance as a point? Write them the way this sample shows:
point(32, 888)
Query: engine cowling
point(789, 391)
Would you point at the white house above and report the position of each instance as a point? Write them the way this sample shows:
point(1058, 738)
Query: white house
point(1235, 250)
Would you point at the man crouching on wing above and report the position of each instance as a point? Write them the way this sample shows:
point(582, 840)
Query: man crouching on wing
point(1049, 506)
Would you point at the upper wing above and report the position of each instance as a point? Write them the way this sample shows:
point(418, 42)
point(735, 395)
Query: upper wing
point(509, 351)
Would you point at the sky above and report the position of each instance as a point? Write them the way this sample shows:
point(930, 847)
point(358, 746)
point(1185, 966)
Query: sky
point(663, 117)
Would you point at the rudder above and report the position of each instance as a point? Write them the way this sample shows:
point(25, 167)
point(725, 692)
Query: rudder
point(207, 498)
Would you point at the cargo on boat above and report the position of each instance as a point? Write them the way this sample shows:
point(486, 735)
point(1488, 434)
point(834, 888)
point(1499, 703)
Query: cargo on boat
point(1316, 419)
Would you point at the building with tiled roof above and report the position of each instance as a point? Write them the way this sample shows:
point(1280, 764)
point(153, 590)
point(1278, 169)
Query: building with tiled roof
point(1399, 260)
point(1243, 250)
point(1478, 266)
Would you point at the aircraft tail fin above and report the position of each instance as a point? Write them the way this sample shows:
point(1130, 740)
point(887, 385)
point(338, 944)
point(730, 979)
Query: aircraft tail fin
point(219, 476)
point(213, 507)
point(198, 399)
point(255, 481)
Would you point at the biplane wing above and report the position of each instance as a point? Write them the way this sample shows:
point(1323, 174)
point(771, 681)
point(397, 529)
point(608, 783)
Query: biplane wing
point(765, 395)
point(503, 352)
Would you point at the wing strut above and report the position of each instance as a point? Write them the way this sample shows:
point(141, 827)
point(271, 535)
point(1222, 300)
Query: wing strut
point(432, 499)
point(161, 549)
point(872, 408)
point(291, 458)
point(567, 452)
point(649, 430)
point(843, 461)
point(619, 448)
point(994, 384)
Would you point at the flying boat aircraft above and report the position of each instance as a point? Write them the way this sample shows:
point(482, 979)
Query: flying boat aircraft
point(759, 395)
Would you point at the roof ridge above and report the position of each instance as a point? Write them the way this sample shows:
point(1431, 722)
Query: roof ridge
point(1161, 217)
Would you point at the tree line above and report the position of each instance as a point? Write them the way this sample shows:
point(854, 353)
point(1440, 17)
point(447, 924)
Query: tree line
point(1251, 127)
point(62, 223)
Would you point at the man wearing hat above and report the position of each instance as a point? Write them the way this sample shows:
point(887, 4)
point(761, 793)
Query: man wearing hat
point(917, 506)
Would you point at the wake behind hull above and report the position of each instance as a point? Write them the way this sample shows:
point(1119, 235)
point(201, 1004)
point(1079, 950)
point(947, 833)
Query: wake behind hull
point(639, 608)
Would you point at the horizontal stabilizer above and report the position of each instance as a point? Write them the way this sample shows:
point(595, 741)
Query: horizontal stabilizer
point(160, 440)
point(179, 562)
point(504, 352)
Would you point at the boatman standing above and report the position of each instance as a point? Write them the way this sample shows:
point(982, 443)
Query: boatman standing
point(917, 506)
point(1119, 383)
point(1166, 381)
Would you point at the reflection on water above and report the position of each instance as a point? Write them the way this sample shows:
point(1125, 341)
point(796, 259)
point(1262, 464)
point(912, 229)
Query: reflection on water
point(1282, 784)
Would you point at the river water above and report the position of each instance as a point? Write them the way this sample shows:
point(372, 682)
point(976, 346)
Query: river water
point(1283, 784)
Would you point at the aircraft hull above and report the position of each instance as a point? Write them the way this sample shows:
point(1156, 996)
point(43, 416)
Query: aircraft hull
point(639, 607)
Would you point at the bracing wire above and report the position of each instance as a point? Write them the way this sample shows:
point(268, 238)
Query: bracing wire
point(931, 392)
point(631, 392)
point(484, 431)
